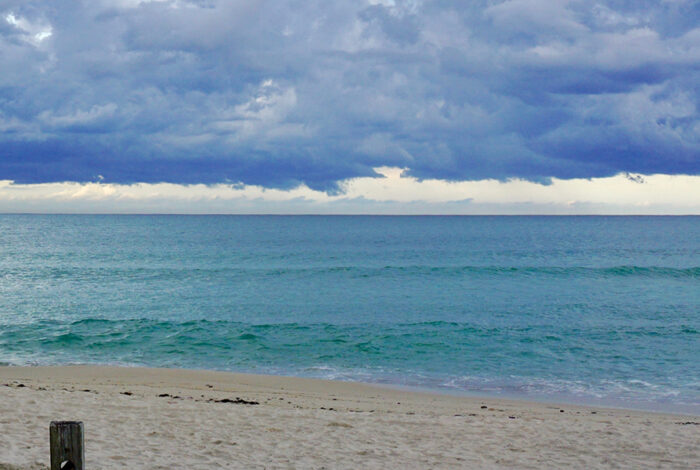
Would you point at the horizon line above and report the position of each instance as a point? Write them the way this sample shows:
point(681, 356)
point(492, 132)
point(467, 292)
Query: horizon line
point(219, 214)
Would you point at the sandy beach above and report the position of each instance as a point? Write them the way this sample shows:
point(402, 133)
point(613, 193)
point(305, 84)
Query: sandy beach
point(169, 418)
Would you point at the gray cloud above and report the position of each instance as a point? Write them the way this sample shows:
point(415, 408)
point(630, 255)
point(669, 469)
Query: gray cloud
point(279, 93)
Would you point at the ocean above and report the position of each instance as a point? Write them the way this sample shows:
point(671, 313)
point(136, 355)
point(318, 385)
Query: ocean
point(593, 310)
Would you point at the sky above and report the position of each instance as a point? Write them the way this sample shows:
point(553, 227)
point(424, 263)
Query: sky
point(357, 106)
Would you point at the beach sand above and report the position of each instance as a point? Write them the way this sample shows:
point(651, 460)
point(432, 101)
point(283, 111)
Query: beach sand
point(170, 418)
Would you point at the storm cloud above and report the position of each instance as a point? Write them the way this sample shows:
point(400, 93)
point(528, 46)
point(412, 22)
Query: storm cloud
point(283, 93)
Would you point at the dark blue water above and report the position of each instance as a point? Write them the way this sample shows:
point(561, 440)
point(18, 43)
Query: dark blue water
point(587, 309)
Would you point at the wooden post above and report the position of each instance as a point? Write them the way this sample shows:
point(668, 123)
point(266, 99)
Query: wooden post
point(66, 443)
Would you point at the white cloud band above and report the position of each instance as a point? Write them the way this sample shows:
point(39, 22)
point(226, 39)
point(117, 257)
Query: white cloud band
point(394, 193)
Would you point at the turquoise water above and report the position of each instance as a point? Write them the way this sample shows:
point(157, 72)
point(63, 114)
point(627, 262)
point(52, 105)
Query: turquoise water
point(587, 309)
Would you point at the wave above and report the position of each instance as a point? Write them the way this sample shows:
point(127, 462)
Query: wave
point(204, 342)
point(143, 325)
point(558, 271)
point(164, 273)
point(429, 353)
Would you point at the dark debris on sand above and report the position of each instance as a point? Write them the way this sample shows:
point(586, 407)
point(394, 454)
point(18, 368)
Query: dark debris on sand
point(237, 401)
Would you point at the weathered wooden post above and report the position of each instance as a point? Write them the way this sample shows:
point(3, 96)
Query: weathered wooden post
point(66, 443)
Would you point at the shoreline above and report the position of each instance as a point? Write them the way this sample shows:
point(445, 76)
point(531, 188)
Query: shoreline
point(554, 400)
point(561, 399)
point(152, 418)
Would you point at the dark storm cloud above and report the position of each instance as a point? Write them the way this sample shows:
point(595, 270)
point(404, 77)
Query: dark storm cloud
point(279, 93)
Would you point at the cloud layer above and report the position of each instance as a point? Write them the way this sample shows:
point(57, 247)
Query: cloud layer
point(392, 193)
point(281, 93)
